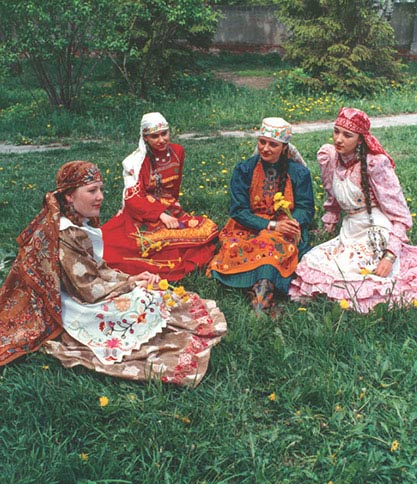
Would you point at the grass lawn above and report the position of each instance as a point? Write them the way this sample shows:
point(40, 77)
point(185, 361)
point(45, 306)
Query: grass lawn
point(320, 395)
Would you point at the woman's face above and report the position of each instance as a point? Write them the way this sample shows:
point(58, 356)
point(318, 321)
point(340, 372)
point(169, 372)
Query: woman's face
point(87, 199)
point(345, 141)
point(269, 149)
point(158, 141)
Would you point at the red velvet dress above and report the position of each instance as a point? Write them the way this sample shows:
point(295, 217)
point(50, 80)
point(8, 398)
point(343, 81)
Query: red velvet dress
point(135, 240)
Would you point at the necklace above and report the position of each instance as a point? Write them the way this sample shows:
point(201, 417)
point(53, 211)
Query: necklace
point(163, 160)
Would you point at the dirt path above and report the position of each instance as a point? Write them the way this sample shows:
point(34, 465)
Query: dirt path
point(376, 122)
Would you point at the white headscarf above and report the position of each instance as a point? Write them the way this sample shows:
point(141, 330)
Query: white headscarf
point(150, 123)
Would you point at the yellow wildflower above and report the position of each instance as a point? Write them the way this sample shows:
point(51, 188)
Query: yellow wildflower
point(84, 457)
point(163, 284)
point(364, 271)
point(179, 291)
point(338, 408)
point(344, 304)
point(272, 397)
point(103, 401)
point(414, 303)
point(186, 420)
point(302, 309)
point(394, 445)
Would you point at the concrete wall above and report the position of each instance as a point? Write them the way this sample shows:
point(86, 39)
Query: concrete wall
point(258, 27)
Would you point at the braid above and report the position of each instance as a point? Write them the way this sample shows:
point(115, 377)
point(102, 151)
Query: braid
point(362, 152)
point(283, 170)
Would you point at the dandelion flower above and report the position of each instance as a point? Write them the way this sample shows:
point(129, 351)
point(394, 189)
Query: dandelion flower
point(103, 401)
point(301, 309)
point(272, 397)
point(344, 304)
point(163, 284)
point(414, 303)
point(394, 445)
point(84, 457)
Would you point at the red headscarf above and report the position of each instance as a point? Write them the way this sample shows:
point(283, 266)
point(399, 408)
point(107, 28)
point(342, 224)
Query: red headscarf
point(30, 299)
point(358, 122)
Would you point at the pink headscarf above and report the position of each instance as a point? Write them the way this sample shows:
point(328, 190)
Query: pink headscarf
point(358, 122)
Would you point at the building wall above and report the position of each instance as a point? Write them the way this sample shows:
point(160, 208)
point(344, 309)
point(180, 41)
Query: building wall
point(258, 27)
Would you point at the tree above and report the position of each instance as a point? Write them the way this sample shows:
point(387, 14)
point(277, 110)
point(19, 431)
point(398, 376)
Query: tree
point(58, 40)
point(154, 39)
point(347, 46)
point(62, 40)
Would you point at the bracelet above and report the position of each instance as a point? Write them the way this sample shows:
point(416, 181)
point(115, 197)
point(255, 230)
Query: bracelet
point(389, 256)
point(272, 225)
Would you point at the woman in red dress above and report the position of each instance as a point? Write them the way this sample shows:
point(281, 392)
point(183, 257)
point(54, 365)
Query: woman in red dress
point(152, 232)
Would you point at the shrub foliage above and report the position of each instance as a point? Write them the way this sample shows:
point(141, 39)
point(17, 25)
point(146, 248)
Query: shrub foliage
point(345, 45)
point(61, 40)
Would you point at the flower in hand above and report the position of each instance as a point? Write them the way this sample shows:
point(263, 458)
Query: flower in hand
point(280, 204)
point(173, 295)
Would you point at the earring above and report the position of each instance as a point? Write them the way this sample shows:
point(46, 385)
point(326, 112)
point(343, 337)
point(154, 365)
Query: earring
point(358, 151)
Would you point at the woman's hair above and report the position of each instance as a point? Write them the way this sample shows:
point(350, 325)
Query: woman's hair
point(67, 210)
point(362, 152)
point(283, 169)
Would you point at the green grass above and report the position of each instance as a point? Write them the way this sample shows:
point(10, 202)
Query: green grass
point(198, 102)
point(344, 384)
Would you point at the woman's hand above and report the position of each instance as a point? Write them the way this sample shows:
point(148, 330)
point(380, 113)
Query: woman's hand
point(384, 267)
point(329, 228)
point(288, 227)
point(144, 279)
point(169, 221)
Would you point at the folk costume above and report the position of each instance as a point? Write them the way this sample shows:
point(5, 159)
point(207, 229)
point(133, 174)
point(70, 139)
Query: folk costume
point(108, 323)
point(136, 240)
point(251, 255)
point(343, 267)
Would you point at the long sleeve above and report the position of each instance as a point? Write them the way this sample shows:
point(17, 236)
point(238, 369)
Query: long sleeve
point(327, 157)
point(240, 209)
point(303, 194)
point(139, 201)
point(389, 195)
point(82, 277)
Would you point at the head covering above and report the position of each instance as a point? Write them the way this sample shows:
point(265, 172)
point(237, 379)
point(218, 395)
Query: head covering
point(358, 122)
point(150, 123)
point(30, 299)
point(280, 130)
point(277, 129)
point(76, 174)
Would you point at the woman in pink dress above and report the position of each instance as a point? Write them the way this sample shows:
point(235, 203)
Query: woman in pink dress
point(370, 261)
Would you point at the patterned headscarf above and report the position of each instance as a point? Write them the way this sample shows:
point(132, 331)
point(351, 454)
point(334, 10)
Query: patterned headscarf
point(280, 130)
point(277, 129)
point(150, 123)
point(30, 299)
point(358, 122)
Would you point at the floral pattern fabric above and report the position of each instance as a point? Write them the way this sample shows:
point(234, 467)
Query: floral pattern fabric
point(115, 327)
point(342, 267)
point(249, 251)
point(136, 240)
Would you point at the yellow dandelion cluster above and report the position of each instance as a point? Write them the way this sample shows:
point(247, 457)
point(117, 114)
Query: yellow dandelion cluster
point(272, 397)
point(281, 204)
point(173, 295)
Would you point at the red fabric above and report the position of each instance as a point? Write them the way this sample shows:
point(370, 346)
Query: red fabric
point(30, 299)
point(358, 122)
point(136, 240)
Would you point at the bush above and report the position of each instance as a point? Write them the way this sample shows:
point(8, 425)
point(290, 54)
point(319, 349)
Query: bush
point(347, 46)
